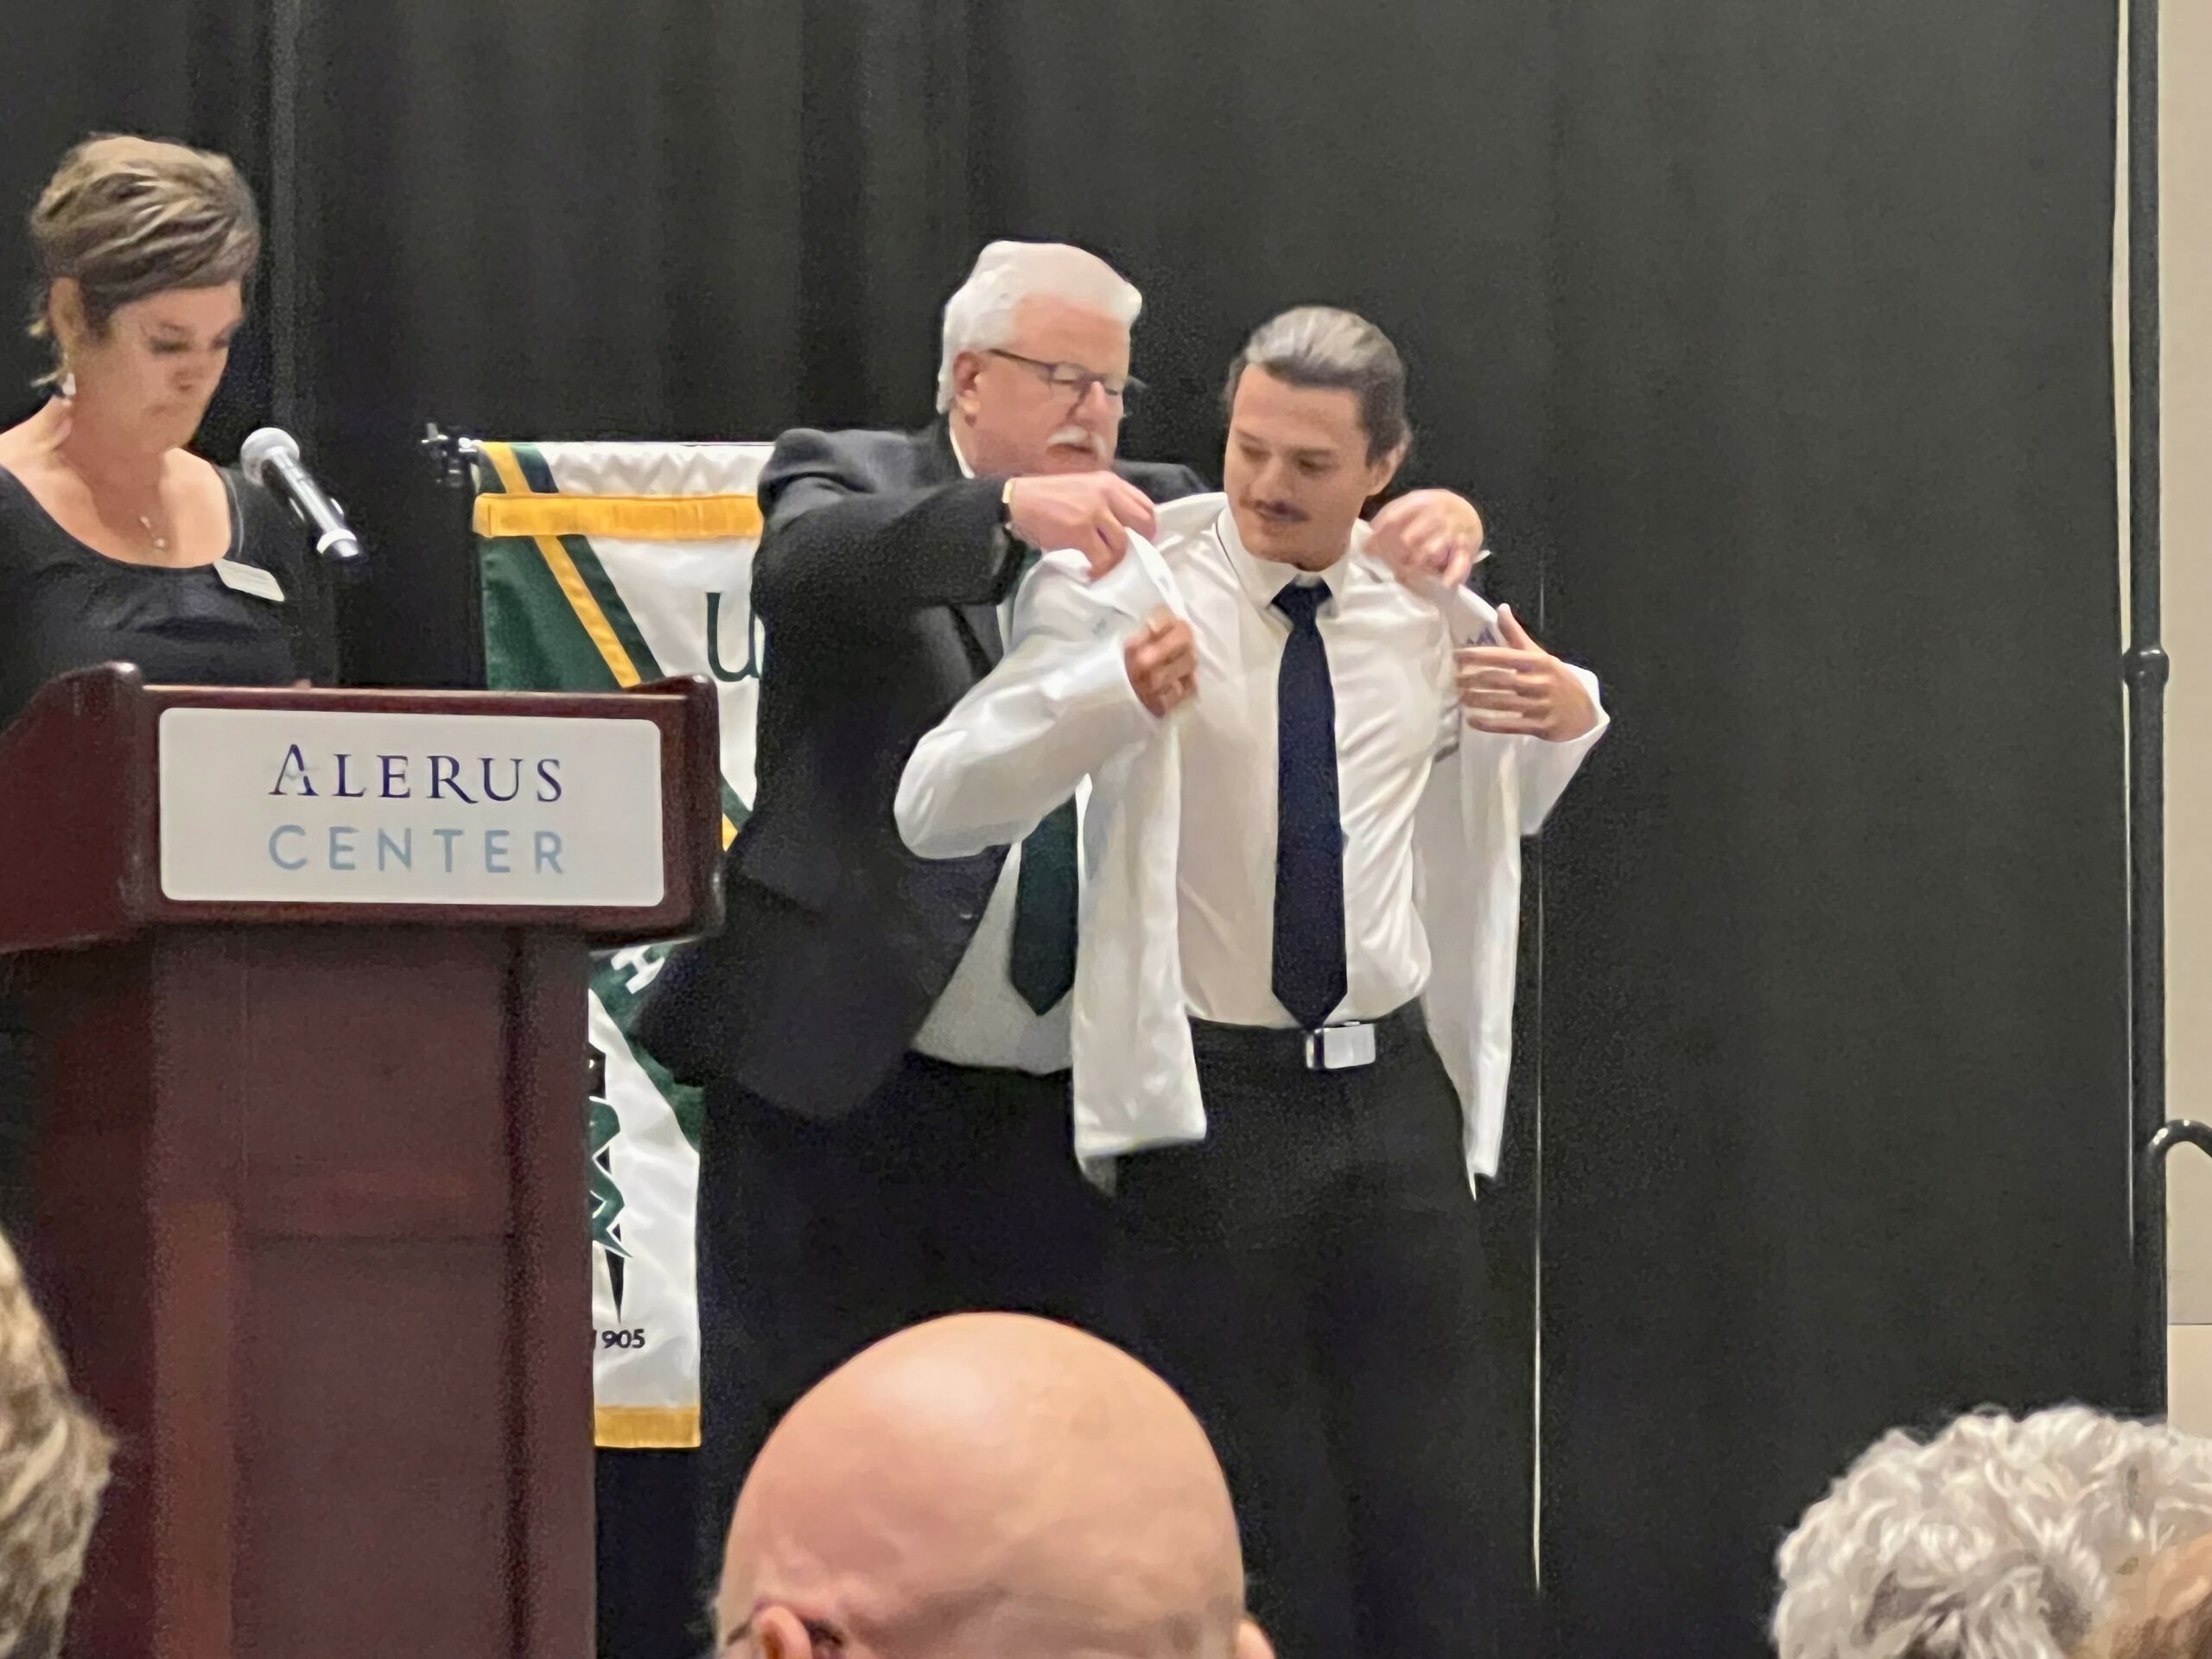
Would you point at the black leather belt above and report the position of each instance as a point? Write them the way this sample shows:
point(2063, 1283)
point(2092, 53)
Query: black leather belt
point(1350, 1046)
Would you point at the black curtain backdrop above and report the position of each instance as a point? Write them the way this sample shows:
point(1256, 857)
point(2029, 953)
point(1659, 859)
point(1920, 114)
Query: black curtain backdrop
point(1775, 340)
point(1834, 1057)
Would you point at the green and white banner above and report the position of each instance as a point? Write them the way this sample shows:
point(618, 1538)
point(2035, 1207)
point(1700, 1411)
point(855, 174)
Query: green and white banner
point(608, 565)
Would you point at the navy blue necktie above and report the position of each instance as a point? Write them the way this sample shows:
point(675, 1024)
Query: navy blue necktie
point(1309, 943)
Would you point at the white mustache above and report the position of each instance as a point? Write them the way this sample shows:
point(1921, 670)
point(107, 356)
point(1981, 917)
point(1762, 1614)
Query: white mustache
point(1079, 438)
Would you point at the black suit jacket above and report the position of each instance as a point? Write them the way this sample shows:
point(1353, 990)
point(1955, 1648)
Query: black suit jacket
point(877, 582)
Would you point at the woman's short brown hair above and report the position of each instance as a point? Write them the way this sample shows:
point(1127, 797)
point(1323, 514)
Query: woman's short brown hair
point(127, 218)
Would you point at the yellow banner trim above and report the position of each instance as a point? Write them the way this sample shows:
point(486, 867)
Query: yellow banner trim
point(619, 518)
point(581, 599)
point(647, 1429)
point(573, 586)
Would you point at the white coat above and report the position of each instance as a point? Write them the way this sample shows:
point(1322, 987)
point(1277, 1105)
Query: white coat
point(1058, 710)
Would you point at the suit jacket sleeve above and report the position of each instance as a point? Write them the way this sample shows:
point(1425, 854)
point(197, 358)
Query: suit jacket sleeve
point(1058, 708)
point(839, 546)
point(1178, 482)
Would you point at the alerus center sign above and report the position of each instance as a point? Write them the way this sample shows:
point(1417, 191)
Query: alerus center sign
point(305, 807)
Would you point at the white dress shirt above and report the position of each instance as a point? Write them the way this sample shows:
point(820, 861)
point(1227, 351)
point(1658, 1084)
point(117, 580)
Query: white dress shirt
point(1391, 666)
point(980, 1019)
point(1442, 829)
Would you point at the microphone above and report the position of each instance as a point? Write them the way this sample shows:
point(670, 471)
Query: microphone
point(271, 458)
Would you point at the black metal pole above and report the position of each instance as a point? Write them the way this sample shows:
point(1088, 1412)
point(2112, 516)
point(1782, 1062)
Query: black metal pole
point(453, 457)
point(289, 305)
point(2145, 673)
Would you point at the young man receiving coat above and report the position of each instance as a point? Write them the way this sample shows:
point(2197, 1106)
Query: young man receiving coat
point(1312, 754)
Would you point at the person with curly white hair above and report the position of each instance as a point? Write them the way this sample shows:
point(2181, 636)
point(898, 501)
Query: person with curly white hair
point(53, 1465)
point(1999, 1538)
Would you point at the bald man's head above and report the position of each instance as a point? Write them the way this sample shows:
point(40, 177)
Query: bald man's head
point(982, 1485)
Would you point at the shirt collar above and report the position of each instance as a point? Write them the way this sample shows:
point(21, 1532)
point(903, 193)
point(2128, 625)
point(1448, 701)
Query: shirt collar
point(1262, 579)
point(952, 437)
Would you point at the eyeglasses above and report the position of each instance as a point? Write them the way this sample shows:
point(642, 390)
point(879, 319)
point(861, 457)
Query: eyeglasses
point(1075, 380)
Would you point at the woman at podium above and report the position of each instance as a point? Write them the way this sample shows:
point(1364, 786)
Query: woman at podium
point(116, 543)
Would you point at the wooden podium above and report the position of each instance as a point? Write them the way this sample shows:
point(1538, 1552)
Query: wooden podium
point(310, 969)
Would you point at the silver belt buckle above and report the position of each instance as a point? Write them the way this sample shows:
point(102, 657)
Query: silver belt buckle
point(1340, 1048)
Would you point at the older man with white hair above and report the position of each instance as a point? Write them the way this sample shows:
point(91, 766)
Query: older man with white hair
point(884, 1039)
point(1999, 1538)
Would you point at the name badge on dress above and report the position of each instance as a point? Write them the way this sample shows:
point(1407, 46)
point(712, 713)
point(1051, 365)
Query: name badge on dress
point(248, 579)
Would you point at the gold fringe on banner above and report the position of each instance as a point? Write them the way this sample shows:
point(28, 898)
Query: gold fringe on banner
point(647, 1428)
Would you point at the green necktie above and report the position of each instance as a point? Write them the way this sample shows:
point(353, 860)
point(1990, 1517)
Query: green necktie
point(1042, 965)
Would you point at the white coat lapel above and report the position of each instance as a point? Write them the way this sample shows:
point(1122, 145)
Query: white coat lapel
point(1469, 895)
point(1136, 1081)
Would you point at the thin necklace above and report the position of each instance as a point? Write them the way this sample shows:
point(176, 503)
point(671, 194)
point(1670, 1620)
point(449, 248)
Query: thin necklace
point(156, 534)
point(161, 541)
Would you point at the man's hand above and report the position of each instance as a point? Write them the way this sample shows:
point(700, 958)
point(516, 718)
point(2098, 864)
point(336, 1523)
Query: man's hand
point(1091, 512)
point(1430, 536)
point(1520, 689)
point(1163, 662)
